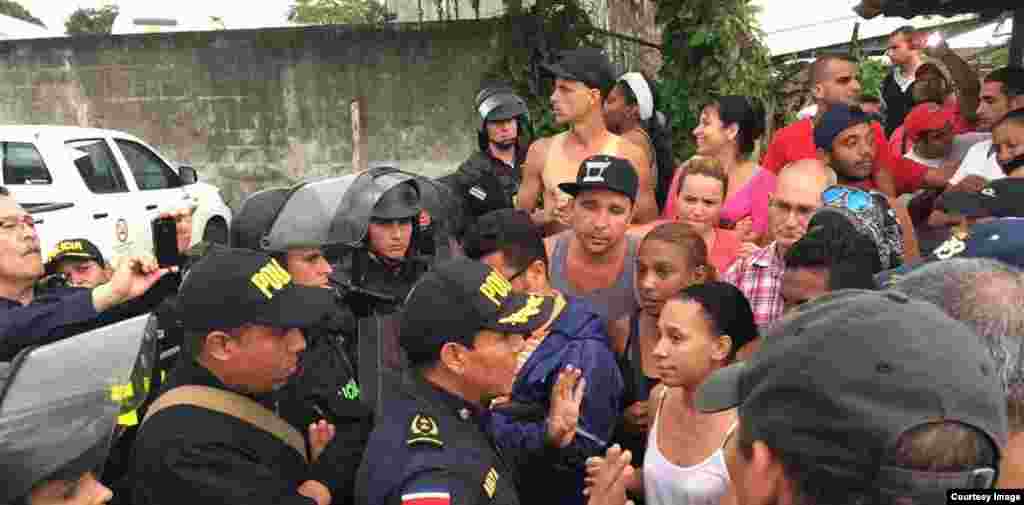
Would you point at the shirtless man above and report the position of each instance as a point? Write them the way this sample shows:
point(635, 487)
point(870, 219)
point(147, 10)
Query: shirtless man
point(583, 78)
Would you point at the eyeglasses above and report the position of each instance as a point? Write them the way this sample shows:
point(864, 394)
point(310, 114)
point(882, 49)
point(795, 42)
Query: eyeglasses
point(854, 199)
point(10, 224)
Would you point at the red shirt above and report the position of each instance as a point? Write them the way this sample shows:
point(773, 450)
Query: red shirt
point(796, 142)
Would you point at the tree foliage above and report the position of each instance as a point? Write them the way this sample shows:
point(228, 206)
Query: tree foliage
point(871, 73)
point(91, 21)
point(15, 10)
point(709, 47)
point(339, 12)
point(535, 35)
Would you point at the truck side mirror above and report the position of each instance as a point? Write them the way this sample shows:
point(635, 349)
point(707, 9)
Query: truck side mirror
point(188, 175)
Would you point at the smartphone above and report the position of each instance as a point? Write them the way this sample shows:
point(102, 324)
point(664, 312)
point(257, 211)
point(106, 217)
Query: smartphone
point(165, 241)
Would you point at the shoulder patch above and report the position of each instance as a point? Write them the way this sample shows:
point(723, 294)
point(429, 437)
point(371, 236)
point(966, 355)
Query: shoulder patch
point(491, 482)
point(424, 430)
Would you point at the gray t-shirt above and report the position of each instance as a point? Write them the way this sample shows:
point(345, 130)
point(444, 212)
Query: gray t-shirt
point(612, 302)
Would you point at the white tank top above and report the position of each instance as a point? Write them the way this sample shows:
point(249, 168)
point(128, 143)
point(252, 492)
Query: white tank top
point(668, 484)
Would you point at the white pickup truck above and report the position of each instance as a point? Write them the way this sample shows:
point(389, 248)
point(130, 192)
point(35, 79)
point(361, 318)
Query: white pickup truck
point(102, 185)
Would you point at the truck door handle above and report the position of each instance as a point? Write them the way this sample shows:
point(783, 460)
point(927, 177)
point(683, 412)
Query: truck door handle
point(150, 206)
point(100, 215)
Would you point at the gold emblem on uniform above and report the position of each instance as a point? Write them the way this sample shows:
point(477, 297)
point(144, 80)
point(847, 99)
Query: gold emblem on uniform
point(491, 482)
point(523, 315)
point(423, 429)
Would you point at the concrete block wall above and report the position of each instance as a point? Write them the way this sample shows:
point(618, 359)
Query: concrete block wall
point(254, 108)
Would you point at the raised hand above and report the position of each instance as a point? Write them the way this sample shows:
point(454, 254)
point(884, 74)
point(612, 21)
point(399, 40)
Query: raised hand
point(320, 434)
point(564, 413)
point(608, 477)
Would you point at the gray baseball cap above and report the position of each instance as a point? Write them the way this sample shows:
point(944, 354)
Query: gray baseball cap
point(844, 377)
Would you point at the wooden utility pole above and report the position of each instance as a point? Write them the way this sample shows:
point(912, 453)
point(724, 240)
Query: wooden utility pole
point(356, 109)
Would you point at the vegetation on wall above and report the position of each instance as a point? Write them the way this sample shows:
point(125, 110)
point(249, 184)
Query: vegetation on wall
point(710, 47)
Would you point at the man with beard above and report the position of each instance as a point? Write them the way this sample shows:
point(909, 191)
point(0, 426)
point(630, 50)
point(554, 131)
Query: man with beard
point(489, 180)
point(846, 143)
point(583, 80)
point(834, 84)
point(27, 319)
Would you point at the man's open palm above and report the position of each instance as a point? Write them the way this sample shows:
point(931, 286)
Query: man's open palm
point(564, 413)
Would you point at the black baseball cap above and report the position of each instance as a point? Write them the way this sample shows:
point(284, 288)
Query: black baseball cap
point(460, 297)
point(1000, 198)
point(229, 287)
point(834, 121)
point(73, 248)
point(604, 172)
point(494, 229)
point(587, 65)
point(843, 377)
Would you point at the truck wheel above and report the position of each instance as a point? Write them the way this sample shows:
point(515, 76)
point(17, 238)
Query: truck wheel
point(216, 232)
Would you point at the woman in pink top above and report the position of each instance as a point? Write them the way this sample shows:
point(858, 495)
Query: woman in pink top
point(698, 203)
point(701, 197)
point(727, 131)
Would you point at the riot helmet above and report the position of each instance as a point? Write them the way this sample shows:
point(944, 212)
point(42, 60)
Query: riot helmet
point(500, 103)
point(256, 216)
point(400, 202)
point(63, 405)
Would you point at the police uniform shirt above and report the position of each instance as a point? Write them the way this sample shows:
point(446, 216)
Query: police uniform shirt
point(190, 455)
point(431, 447)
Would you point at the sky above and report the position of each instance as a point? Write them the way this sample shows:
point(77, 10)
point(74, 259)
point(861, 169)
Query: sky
point(820, 22)
point(236, 13)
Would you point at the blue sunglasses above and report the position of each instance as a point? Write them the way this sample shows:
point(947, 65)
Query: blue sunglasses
point(854, 199)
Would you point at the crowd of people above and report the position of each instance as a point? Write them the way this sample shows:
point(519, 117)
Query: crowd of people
point(576, 319)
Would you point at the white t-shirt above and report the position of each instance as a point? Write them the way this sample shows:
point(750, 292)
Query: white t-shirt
point(978, 162)
point(961, 146)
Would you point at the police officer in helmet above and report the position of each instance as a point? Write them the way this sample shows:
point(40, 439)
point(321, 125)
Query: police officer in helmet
point(326, 386)
point(462, 329)
point(388, 262)
point(490, 178)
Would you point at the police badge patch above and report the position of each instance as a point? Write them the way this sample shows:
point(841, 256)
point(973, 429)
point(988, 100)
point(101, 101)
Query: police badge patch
point(424, 430)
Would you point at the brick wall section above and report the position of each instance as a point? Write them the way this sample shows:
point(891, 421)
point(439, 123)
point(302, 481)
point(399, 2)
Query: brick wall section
point(253, 108)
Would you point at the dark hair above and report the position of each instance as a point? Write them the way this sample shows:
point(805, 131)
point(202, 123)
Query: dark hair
point(931, 447)
point(813, 483)
point(905, 30)
point(746, 113)
point(4, 191)
point(687, 241)
point(833, 243)
point(870, 99)
point(193, 341)
point(1012, 78)
point(519, 241)
point(726, 309)
point(657, 129)
point(817, 72)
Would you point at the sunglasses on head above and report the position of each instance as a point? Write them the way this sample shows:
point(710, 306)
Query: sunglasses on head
point(854, 199)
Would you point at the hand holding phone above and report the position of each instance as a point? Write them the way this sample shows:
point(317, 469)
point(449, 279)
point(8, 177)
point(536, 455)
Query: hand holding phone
point(165, 241)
